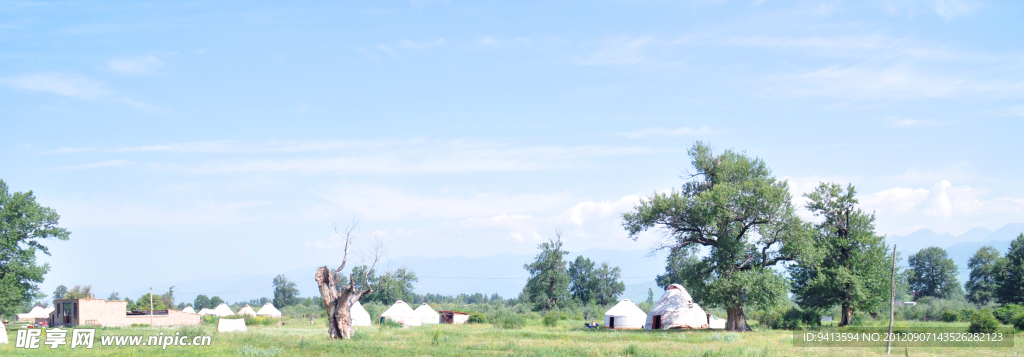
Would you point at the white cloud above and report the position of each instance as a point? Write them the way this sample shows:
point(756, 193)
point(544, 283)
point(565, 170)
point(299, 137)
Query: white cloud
point(111, 213)
point(947, 9)
point(137, 65)
point(381, 203)
point(63, 84)
point(704, 130)
point(885, 82)
point(943, 208)
point(422, 45)
point(910, 123)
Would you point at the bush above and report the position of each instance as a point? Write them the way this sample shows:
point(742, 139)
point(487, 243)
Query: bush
point(389, 323)
point(1018, 321)
point(507, 319)
point(477, 318)
point(552, 317)
point(796, 319)
point(261, 320)
point(982, 321)
point(1006, 313)
point(949, 316)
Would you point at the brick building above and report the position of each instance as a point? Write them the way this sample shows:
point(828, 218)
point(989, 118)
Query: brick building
point(112, 313)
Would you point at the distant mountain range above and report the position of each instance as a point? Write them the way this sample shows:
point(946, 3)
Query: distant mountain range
point(504, 273)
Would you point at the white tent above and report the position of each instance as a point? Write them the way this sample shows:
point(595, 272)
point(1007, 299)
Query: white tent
point(401, 313)
point(206, 311)
point(3, 333)
point(625, 315)
point(223, 310)
point(429, 315)
point(359, 315)
point(269, 310)
point(715, 322)
point(188, 309)
point(231, 325)
point(37, 312)
point(246, 311)
point(676, 310)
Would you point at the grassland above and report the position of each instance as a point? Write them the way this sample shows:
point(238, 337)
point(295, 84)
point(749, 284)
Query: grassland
point(299, 338)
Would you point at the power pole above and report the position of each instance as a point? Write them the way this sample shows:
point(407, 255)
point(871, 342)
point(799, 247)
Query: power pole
point(892, 301)
point(150, 308)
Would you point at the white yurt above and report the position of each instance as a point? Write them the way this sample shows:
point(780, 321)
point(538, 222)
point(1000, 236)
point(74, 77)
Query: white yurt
point(206, 311)
point(223, 310)
point(3, 333)
point(246, 311)
point(625, 315)
point(676, 310)
point(37, 312)
point(269, 310)
point(359, 315)
point(715, 322)
point(429, 315)
point(401, 313)
point(188, 309)
point(231, 325)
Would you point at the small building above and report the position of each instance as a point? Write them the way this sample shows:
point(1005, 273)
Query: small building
point(429, 315)
point(35, 315)
point(223, 310)
point(111, 313)
point(453, 317)
point(188, 309)
point(676, 310)
point(401, 313)
point(246, 311)
point(269, 310)
point(625, 315)
point(359, 315)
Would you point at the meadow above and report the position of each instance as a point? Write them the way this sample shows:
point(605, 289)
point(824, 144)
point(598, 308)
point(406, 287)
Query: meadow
point(568, 338)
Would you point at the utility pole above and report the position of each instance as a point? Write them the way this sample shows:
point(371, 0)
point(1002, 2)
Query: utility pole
point(892, 301)
point(151, 308)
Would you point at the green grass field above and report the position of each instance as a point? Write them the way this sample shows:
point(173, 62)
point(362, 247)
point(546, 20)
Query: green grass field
point(299, 338)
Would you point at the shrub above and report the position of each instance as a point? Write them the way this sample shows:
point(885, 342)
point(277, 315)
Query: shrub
point(260, 320)
point(507, 319)
point(949, 316)
point(477, 318)
point(1006, 312)
point(389, 323)
point(982, 321)
point(552, 317)
point(1018, 321)
point(796, 319)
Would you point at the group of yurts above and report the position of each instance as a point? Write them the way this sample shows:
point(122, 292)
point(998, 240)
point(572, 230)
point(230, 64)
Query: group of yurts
point(675, 310)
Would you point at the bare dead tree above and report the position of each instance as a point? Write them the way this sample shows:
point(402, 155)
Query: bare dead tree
point(338, 301)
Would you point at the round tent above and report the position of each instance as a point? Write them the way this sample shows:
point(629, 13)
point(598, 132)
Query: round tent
point(359, 315)
point(246, 311)
point(401, 313)
point(625, 315)
point(269, 310)
point(188, 309)
point(429, 315)
point(715, 322)
point(676, 310)
point(206, 311)
point(223, 310)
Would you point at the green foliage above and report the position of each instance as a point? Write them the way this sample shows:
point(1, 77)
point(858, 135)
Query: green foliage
point(1006, 312)
point(79, 292)
point(849, 265)
point(796, 319)
point(933, 274)
point(261, 320)
point(388, 288)
point(476, 317)
point(143, 303)
point(1011, 274)
point(215, 301)
point(114, 296)
point(949, 316)
point(984, 265)
point(982, 321)
point(202, 302)
point(23, 225)
point(286, 293)
point(548, 285)
point(650, 293)
point(389, 323)
point(507, 319)
point(1018, 321)
point(251, 351)
point(552, 317)
point(734, 206)
point(60, 292)
point(601, 285)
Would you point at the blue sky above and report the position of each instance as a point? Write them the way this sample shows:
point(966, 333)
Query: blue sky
point(181, 140)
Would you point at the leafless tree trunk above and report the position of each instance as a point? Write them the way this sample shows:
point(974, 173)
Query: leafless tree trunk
point(338, 301)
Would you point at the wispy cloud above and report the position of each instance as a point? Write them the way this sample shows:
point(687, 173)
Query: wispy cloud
point(97, 165)
point(137, 65)
point(947, 9)
point(943, 208)
point(704, 130)
point(63, 84)
point(894, 81)
point(910, 123)
point(422, 45)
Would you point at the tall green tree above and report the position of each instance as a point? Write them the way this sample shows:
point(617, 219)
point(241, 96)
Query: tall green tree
point(582, 283)
point(933, 274)
point(744, 216)
point(1011, 274)
point(24, 224)
point(610, 284)
point(143, 303)
point(548, 285)
point(286, 293)
point(681, 265)
point(59, 292)
point(984, 265)
point(202, 302)
point(79, 292)
point(848, 267)
point(114, 296)
point(387, 288)
point(215, 301)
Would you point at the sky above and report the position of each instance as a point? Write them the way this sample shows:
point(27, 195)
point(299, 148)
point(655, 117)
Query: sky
point(187, 140)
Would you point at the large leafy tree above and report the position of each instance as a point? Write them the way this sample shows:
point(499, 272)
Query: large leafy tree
point(848, 267)
point(202, 302)
point(1011, 274)
point(548, 285)
point(388, 288)
point(24, 224)
point(933, 274)
point(984, 265)
point(601, 285)
point(286, 293)
point(743, 215)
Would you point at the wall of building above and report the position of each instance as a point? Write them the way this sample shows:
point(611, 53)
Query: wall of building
point(173, 318)
point(99, 312)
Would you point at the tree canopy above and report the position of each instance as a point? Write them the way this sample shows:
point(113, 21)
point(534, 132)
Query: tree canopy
point(984, 265)
point(1011, 274)
point(548, 285)
point(743, 215)
point(933, 274)
point(589, 284)
point(849, 264)
point(286, 293)
point(24, 224)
